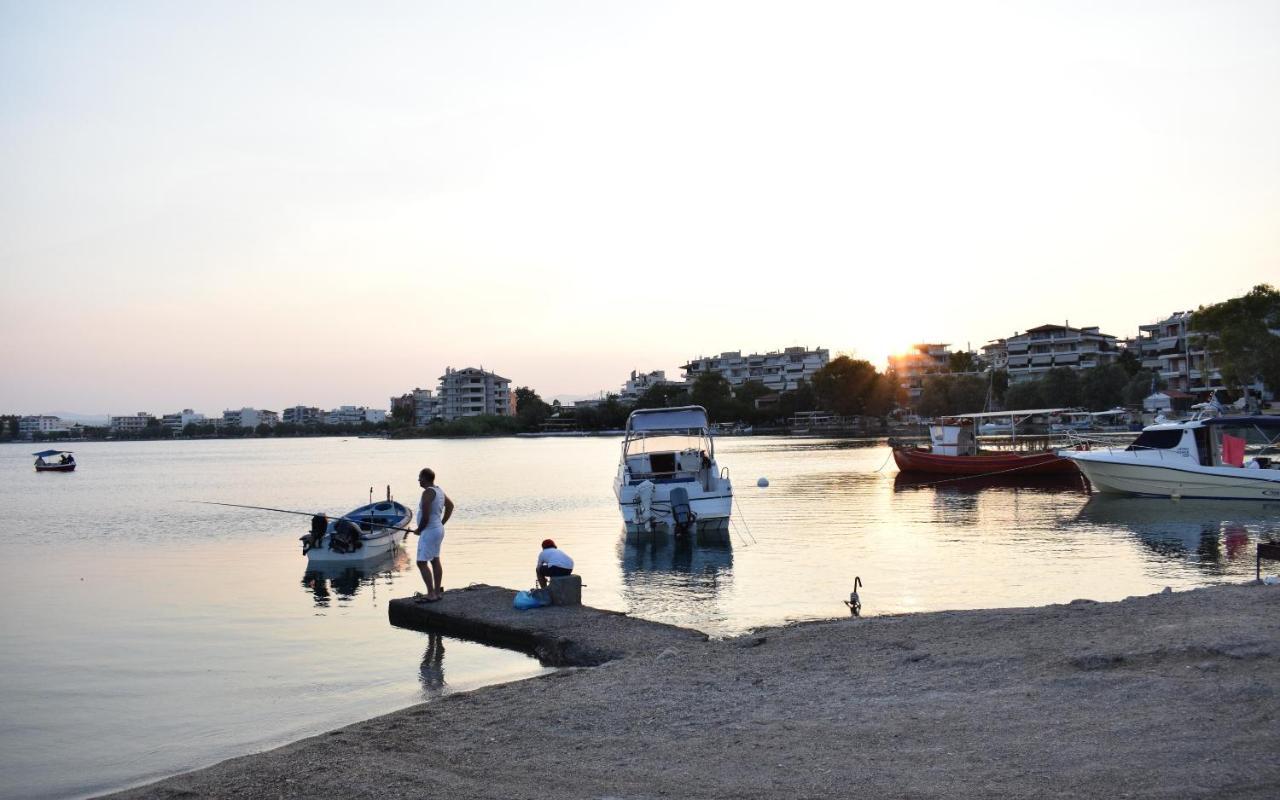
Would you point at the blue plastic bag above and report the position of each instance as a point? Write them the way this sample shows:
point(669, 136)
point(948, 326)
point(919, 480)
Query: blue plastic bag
point(534, 598)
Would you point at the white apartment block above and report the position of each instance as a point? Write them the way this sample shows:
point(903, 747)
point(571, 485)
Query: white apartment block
point(135, 423)
point(39, 423)
point(179, 420)
point(249, 418)
point(641, 382)
point(1047, 347)
point(471, 392)
point(1181, 360)
point(301, 415)
point(995, 355)
point(779, 371)
point(354, 415)
point(920, 360)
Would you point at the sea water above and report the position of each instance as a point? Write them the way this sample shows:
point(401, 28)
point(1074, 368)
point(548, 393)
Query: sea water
point(145, 633)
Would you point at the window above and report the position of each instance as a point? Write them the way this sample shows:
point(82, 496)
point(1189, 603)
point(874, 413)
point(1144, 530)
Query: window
point(1156, 440)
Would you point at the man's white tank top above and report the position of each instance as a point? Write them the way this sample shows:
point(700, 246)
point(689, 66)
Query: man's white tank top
point(434, 514)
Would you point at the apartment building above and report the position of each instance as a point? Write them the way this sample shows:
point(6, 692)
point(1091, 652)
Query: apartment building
point(641, 382)
point(249, 418)
point(921, 360)
point(1180, 359)
point(177, 421)
point(302, 415)
point(1035, 352)
point(778, 370)
point(133, 423)
point(471, 392)
point(29, 426)
point(354, 415)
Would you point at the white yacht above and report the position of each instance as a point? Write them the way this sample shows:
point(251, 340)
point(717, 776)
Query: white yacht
point(668, 480)
point(1219, 458)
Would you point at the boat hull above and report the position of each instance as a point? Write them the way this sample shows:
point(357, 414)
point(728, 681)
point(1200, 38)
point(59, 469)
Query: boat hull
point(711, 523)
point(1114, 476)
point(55, 468)
point(375, 541)
point(922, 461)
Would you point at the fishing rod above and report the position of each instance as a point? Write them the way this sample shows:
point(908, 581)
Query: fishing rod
point(304, 514)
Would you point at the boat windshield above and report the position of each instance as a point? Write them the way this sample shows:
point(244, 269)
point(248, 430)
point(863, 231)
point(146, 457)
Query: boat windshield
point(666, 443)
point(1157, 440)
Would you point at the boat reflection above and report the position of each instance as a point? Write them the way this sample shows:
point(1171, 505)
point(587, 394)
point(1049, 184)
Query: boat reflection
point(1068, 483)
point(676, 581)
point(1211, 532)
point(344, 581)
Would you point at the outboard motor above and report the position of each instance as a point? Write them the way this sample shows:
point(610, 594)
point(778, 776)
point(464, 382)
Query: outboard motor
point(346, 537)
point(319, 524)
point(682, 516)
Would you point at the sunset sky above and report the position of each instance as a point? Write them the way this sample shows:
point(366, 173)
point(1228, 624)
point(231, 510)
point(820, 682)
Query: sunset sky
point(268, 204)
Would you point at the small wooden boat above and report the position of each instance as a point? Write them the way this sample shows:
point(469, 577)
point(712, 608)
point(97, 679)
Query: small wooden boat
point(65, 462)
point(368, 532)
point(954, 451)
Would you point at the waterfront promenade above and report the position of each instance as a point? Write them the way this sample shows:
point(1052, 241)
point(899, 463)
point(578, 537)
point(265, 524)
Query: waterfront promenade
point(1168, 695)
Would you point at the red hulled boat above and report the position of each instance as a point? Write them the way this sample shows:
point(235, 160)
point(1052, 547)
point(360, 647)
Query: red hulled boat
point(955, 451)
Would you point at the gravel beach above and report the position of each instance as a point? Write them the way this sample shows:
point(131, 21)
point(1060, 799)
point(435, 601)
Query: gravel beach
point(1170, 695)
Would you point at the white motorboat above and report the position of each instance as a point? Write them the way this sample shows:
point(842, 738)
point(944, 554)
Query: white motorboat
point(668, 480)
point(366, 533)
point(1218, 458)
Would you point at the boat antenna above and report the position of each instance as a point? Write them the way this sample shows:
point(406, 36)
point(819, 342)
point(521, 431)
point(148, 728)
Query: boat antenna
point(301, 513)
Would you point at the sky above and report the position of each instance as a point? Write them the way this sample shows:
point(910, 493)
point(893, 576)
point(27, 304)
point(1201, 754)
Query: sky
point(266, 204)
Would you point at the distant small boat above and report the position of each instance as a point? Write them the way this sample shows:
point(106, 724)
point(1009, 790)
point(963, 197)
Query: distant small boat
point(366, 533)
point(66, 461)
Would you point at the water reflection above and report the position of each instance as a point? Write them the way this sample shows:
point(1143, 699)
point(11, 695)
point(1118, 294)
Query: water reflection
point(675, 580)
point(1210, 533)
point(431, 672)
point(325, 582)
point(1052, 484)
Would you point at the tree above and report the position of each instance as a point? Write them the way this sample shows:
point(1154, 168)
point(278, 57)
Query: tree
point(662, 395)
point(1143, 383)
point(1024, 395)
point(530, 408)
point(1061, 387)
point(402, 413)
point(844, 385)
point(1103, 388)
point(945, 395)
point(1129, 361)
point(711, 391)
point(1241, 332)
point(962, 361)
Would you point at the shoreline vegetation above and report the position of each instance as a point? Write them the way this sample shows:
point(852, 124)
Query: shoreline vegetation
point(1169, 695)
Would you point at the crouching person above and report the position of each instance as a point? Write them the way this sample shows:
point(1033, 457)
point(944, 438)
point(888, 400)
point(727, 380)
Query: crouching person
point(552, 563)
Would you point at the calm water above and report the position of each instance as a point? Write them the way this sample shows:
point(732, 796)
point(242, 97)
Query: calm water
point(145, 634)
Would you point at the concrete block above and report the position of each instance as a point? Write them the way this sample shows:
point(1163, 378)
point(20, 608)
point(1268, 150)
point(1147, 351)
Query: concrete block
point(566, 590)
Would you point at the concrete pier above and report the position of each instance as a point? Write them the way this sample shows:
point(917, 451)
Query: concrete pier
point(559, 636)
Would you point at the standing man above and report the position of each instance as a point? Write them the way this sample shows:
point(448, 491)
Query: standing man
point(552, 563)
point(434, 511)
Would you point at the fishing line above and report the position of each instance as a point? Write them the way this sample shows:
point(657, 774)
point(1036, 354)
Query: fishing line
point(305, 514)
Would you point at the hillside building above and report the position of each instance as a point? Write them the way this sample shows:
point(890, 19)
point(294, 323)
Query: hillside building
point(779, 370)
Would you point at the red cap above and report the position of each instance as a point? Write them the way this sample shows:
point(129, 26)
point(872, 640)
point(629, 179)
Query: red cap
point(547, 543)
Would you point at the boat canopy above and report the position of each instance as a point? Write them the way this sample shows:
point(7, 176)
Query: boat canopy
point(47, 453)
point(1272, 422)
point(681, 418)
point(1021, 412)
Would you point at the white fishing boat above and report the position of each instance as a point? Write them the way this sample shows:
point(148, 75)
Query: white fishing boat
point(1210, 457)
point(668, 480)
point(370, 531)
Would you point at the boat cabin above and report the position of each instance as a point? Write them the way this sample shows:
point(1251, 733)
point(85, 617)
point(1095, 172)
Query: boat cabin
point(666, 445)
point(1243, 442)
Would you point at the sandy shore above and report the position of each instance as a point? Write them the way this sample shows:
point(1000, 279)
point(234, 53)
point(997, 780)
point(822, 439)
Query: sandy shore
point(1172, 695)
